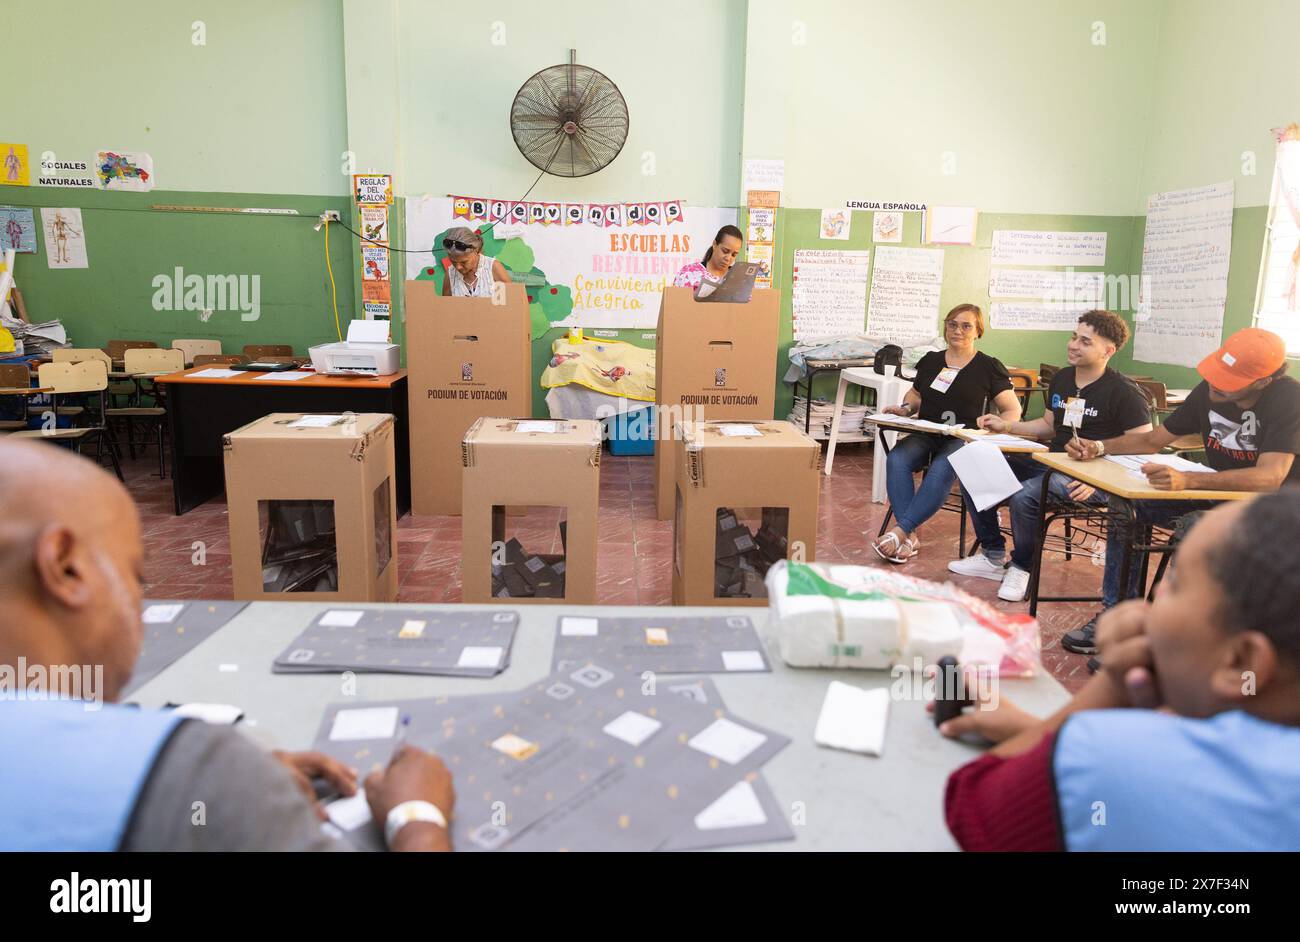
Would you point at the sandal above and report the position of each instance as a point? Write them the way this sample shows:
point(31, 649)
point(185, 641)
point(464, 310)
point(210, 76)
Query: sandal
point(891, 548)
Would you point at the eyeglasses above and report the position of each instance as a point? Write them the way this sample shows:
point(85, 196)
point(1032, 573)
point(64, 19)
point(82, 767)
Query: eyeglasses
point(450, 244)
point(962, 326)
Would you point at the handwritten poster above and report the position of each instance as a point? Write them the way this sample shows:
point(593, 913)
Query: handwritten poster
point(1184, 284)
point(1279, 301)
point(764, 175)
point(904, 304)
point(1029, 315)
point(1043, 247)
point(1046, 286)
point(829, 296)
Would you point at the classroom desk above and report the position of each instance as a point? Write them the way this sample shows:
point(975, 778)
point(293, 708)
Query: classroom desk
point(200, 410)
point(1119, 483)
point(1176, 397)
point(852, 802)
point(1007, 448)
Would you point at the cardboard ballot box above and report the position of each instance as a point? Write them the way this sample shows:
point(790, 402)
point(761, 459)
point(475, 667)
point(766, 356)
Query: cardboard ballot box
point(553, 469)
point(465, 358)
point(746, 496)
point(713, 360)
point(312, 507)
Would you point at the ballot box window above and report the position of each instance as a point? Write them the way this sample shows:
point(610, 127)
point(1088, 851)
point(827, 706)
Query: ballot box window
point(529, 552)
point(383, 525)
point(299, 545)
point(748, 540)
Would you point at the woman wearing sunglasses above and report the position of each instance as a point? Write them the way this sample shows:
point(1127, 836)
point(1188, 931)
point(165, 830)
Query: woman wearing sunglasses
point(471, 273)
point(951, 387)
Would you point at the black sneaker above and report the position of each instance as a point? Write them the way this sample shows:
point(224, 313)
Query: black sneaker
point(1094, 665)
point(1082, 640)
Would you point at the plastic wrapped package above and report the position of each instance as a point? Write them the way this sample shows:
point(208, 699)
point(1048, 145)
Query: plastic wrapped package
point(863, 617)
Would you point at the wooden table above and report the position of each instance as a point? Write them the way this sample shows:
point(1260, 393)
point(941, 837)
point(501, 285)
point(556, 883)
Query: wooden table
point(1119, 483)
point(202, 409)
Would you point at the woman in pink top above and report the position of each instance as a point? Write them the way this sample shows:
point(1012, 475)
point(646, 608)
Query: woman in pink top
point(722, 254)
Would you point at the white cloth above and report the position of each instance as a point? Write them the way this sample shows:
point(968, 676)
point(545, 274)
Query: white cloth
point(483, 284)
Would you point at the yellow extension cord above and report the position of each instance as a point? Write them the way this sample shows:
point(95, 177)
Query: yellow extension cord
point(334, 294)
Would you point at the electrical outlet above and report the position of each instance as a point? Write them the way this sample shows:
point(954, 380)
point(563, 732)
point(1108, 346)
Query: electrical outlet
point(332, 215)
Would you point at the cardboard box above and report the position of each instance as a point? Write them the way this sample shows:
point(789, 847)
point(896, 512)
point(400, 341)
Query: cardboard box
point(535, 464)
point(312, 507)
point(712, 361)
point(466, 358)
point(746, 496)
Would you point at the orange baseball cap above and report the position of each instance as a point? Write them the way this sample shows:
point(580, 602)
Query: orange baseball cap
point(1246, 356)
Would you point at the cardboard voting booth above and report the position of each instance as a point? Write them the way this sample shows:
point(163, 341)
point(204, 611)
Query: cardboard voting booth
point(745, 497)
point(712, 361)
point(553, 469)
point(312, 507)
point(466, 358)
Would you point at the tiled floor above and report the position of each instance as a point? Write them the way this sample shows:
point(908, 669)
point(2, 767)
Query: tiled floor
point(633, 554)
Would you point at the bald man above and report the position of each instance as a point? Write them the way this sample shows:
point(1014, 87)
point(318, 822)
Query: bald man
point(78, 772)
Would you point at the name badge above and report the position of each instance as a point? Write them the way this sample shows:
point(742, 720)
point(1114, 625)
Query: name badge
point(1074, 412)
point(944, 379)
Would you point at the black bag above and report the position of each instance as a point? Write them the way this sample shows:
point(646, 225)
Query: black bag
point(888, 354)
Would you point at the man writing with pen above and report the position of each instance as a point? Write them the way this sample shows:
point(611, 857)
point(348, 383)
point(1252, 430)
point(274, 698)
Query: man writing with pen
point(1247, 413)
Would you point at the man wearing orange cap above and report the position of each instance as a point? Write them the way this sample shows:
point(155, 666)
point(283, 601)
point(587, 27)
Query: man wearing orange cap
point(1247, 412)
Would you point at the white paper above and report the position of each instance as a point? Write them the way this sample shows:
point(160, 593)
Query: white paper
point(985, 474)
point(1279, 291)
point(904, 303)
point(1013, 441)
point(544, 427)
point(287, 376)
point(350, 813)
point(480, 657)
point(738, 807)
point(633, 728)
point(1042, 247)
point(1184, 284)
point(161, 614)
point(364, 723)
point(743, 661)
point(764, 174)
point(579, 627)
point(341, 618)
point(1133, 463)
point(761, 223)
point(215, 714)
point(216, 372)
point(829, 292)
point(951, 225)
point(316, 421)
point(65, 237)
point(836, 223)
point(1031, 315)
point(921, 425)
point(728, 741)
point(739, 431)
point(1047, 287)
point(853, 719)
point(886, 227)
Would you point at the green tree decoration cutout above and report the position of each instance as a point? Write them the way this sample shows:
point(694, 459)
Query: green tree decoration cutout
point(547, 303)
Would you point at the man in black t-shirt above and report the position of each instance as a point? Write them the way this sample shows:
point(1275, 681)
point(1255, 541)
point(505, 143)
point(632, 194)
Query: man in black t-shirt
point(1086, 397)
point(1247, 413)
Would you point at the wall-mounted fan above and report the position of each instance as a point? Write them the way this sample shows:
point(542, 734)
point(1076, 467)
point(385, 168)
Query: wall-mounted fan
point(569, 120)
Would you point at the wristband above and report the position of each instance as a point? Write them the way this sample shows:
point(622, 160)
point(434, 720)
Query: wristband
point(1101, 449)
point(408, 812)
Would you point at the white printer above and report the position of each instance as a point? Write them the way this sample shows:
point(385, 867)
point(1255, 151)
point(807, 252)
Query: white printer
point(366, 351)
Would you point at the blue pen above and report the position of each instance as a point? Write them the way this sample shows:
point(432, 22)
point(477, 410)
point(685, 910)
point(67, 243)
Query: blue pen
point(401, 733)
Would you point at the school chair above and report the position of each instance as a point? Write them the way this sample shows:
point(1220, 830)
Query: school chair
point(68, 379)
point(78, 354)
point(116, 349)
point(218, 359)
point(1024, 383)
point(191, 348)
point(1045, 374)
point(16, 390)
point(261, 351)
point(149, 421)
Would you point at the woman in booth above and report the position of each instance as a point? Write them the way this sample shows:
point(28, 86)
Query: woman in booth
point(471, 273)
point(951, 387)
point(722, 254)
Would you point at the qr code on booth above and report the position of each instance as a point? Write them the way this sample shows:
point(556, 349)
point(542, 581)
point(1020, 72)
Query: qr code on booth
point(720, 377)
point(466, 372)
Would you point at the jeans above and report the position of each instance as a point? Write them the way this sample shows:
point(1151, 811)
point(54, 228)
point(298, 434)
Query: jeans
point(912, 507)
point(1161, 513)
point(1026, 512)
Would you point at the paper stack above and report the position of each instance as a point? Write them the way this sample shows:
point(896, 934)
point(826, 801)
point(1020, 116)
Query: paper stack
point(823, 412)
point(36, 339)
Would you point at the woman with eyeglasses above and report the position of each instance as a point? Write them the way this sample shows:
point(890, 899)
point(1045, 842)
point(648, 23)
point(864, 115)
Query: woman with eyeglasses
point(951, 387)
point(722, 254)
point(471, 273)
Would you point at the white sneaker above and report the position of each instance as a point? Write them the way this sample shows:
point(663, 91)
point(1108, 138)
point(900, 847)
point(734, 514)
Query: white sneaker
point(1014, 585)
point(978, 565)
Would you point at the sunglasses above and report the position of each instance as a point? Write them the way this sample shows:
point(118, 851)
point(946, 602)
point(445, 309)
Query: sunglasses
point(450, 244)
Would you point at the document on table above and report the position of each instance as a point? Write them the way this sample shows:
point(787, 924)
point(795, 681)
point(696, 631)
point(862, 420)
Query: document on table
point(287, 376)
point(216, 373)
point(1133, 463)
point(985, 474)
point(921, 425)
point(1011, 441)
point(853, 719)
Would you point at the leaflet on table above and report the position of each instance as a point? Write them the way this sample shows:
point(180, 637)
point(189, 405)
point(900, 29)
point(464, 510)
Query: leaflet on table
point(923, 425)
point(1005, 441)
point(1133, 463)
